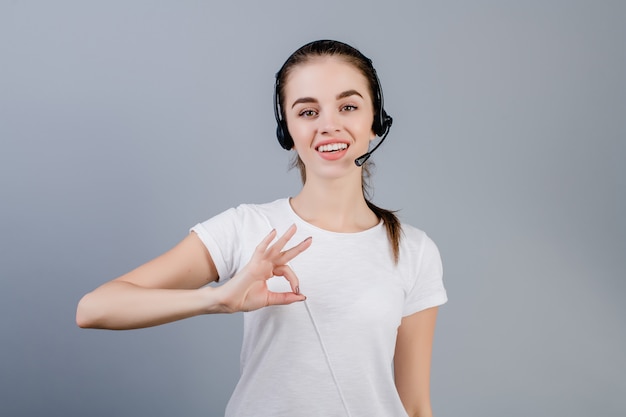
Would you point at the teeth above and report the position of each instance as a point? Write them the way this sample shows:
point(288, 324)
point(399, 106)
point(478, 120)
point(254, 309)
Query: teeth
point(332, 147)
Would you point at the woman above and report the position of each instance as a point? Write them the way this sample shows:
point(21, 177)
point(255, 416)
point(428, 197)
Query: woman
point(359, 343)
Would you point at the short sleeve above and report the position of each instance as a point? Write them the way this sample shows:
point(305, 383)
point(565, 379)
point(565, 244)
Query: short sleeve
point(428, 290)
point(220, 236)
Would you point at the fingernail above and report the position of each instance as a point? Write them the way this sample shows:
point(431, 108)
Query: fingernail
point(297, 290)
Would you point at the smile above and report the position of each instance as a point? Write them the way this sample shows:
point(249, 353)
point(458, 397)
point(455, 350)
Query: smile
point(332, 147)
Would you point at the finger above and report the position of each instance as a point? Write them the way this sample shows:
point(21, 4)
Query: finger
point(291, 253)
point(291, 277)
point(262, 247)
point(283, 298)
point(282, 241)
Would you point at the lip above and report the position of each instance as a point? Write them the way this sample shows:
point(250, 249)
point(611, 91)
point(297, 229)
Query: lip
point(332, 156)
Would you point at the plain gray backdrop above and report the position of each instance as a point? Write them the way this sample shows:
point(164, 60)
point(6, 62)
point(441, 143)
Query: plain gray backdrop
point(122, 124)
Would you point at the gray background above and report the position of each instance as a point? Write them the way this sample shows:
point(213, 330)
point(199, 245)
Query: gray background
point(122, 124)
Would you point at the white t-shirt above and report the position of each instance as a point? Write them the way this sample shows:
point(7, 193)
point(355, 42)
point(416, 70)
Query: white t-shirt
point(302, 359)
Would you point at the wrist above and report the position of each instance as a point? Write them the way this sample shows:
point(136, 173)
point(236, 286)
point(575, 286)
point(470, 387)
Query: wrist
point(214, 300)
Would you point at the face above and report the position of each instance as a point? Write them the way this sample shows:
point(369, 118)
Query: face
point(329, 112)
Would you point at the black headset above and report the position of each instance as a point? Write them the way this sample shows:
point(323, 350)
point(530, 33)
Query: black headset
point(381, 125)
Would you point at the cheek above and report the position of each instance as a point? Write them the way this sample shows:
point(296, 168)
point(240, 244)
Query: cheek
point(296, 134)
point(365, 128)
point(299, 131)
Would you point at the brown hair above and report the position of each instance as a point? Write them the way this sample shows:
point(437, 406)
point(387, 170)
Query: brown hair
point(364, 65)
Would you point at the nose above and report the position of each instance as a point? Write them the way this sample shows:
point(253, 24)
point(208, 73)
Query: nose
point(329, 122)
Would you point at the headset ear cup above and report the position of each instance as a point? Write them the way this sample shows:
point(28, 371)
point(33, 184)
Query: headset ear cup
point(376, 126)
point(381, 122)
point(282, 134)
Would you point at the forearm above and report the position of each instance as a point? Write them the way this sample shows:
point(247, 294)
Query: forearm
point(412, 361)
point(120, 305)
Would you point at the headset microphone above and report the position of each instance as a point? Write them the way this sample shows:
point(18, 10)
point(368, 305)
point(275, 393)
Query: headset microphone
point(387, 125)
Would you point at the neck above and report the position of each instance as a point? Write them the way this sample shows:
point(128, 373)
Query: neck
point(337, 205)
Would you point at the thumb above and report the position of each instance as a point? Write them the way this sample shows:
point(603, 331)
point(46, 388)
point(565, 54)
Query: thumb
point(283, 298)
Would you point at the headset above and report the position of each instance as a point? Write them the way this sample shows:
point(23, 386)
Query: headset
point(381, 125)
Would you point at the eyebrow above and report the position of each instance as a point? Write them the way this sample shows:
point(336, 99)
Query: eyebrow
point(339, 96)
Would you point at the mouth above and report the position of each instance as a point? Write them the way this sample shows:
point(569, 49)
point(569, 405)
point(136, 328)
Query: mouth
point(332, 147)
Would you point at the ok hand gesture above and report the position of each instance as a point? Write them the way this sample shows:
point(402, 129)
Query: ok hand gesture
point(248, 291)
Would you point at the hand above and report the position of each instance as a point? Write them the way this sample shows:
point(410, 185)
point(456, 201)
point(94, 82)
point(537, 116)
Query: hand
point(248, 291)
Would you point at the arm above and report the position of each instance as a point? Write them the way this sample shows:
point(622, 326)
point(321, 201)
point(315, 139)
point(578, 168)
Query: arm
point(172, 286)
point(159, 291)
point(412, 361)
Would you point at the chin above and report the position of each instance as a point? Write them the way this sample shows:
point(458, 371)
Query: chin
point(342, 169)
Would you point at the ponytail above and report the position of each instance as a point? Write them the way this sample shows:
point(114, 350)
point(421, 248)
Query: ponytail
point(392, 224)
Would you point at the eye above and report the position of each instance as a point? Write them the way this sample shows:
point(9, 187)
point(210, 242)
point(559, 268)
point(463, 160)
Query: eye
point(349, 107)
point(307, 113)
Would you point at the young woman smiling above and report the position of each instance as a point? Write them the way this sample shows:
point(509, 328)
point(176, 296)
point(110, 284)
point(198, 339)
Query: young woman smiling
point(340, 298)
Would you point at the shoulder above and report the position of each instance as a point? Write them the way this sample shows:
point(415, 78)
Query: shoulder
point(259, 214)
point(416, 247)
point(263, 208)
point(421, 261)
point(253, 212)
point(231, 236)
point(251, 219)
point(413, 237)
